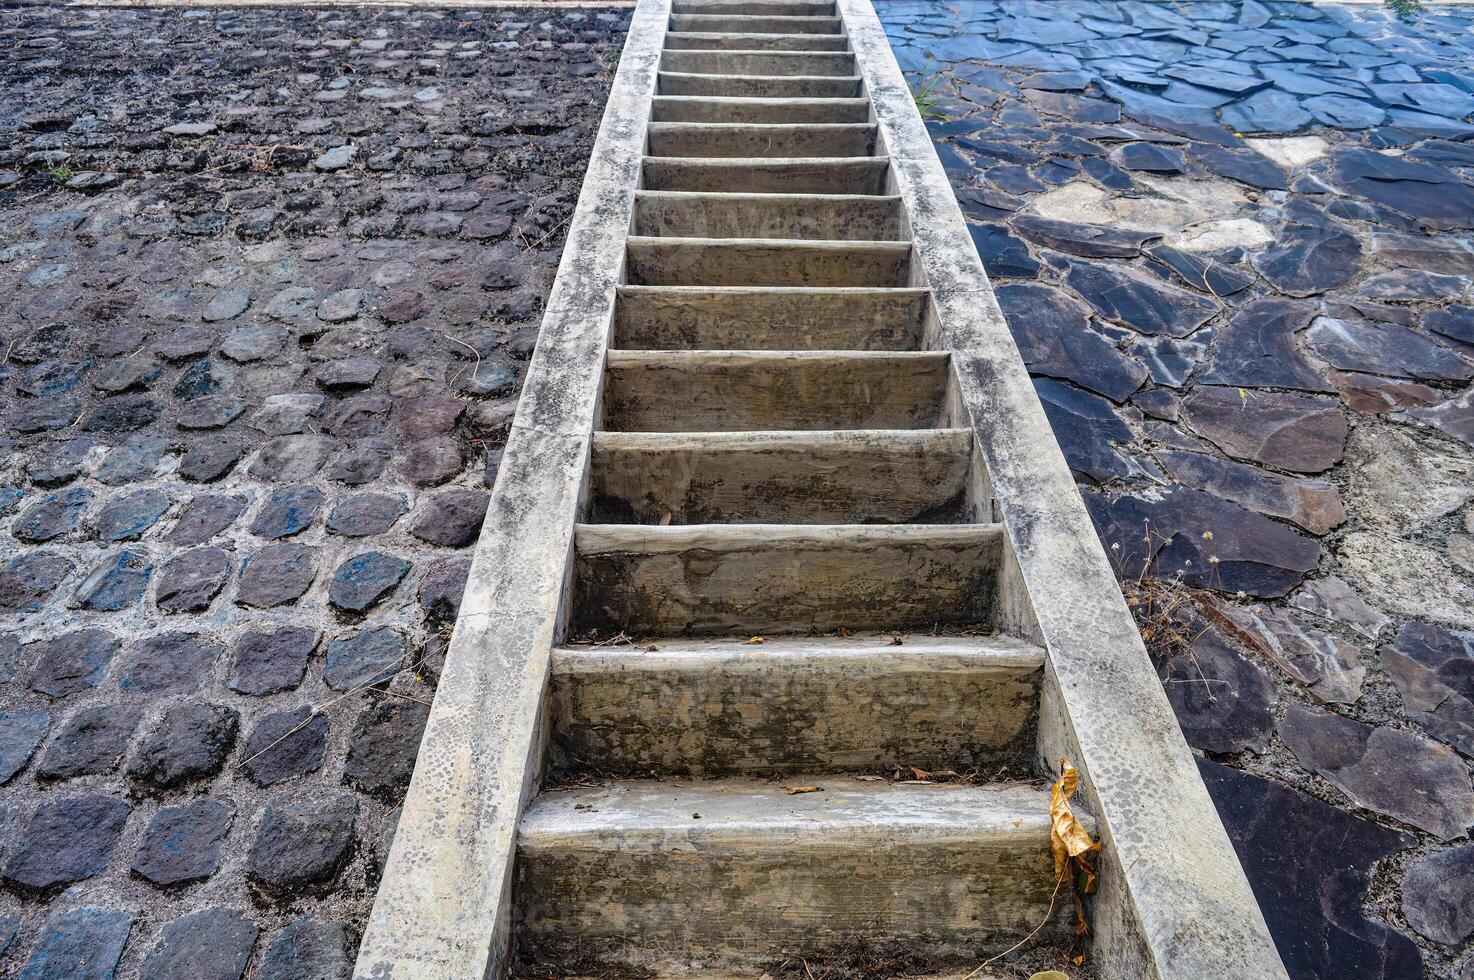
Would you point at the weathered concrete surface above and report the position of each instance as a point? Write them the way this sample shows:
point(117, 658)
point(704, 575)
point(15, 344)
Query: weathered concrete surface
point(742, 872)
point(830, 217)
point(794, 175)
point(727, 706)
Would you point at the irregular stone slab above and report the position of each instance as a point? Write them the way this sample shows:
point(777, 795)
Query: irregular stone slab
point(285, 745)
point(92, 741)
point(1371, 395)
point(1408, 578)
point(1456, 322)
point(1269, 111)
point(21, 731)
point(1341, 112)
point(364, 658)
point(302, 844)
point(1392, 772)
point(190, 741)
point(1434, 672)
point(1454, 416)
point(1090, 241)
point(128, 516)
point(1438, 895)
point(307, 949)
point(1331, 598)
point(1329, 668)
point(169, 663)
point(72, 662)
point(1432, 194)
point(365, 580)
point(1244, 166)
point(1223, 701)
point(1148, 157)
point(366, 514)
point(1204, 275)
point(382, 748)
point(52, 516)
point(1210, 542)
point(1307, 259)
point(452, 518)
point(83, 944)
point(1384, 348)
point(287, 511)
point(1086, 427)
point(67, 840)
point(1314, 505)
point(1413, 285)
point(1004, 254)
point(276, 575)
point(190, 581)
point(211, 944)
point(1054, 336)
point(1293, 432)
point(269, 662)
point(1313, 899)
point(29, 580)
point(1146, 305)
point(183, 843)
point(117, 582)
point(1433, 253)
point(1257, 348)
point(1402, 479)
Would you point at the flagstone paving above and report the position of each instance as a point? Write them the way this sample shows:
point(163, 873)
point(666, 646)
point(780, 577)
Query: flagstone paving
point(1235, 242)
point(268, 280)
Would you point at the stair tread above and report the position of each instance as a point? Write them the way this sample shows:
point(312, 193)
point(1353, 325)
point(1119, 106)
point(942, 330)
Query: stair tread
point(848, 811)
point(597, 539)
point(726, 441)
point(758, 358)
point(737, 652)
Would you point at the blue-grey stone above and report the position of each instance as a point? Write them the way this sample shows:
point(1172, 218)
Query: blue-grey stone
point(169, 663)
point(127, 516)
point(21, 731)
point(183, 843)
point(93, 741)
point(67, 840)
point(72, 662)
point(308, 949)
point(211, 944)
point(190, 741)
point(51, 516)
point(287, 511)
point(285, 745)
point(116, 583)
point(302, 844)
point(366, 579)
point(367, 657)
point(83, 944)
point(1269, 111)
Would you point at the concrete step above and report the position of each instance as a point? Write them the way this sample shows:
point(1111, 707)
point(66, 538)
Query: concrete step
point(822, 704)
point(705, 579)
point(690, 139)
point(825, 217)
point(683, 877)
point(729, 391)
point(765, 262)
point(734, 41)
point(767, 318)
point(761, 86)
point(700, 108)
point(886, 476)
point(822, 175)
point(755, 8)
point(733, 62)
point(755, 24)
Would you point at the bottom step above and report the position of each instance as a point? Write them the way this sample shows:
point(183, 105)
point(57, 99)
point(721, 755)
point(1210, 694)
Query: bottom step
point(682, 878)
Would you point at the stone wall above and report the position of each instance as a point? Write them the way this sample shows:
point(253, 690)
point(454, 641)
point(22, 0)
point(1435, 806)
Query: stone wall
point(1235, 244)
point(268, 280)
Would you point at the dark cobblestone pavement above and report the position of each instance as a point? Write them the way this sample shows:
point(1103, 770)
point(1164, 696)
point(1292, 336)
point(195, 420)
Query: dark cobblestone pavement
point(1235, 243)
point(268, 280)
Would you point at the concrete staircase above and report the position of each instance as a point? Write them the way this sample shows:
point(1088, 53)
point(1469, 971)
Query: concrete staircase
point(780, 517)
point(777, 458)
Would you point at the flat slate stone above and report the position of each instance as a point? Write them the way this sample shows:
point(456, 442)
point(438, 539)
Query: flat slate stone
point(1004, 255)
point(91, 742)
point(363, 581)
point(1454, 416)
point(1312, 904)
point(1393, 772)
point(1333, 599)
point(1434, 673)
point(287, 511)
point(363, 658)
point(1257, 348)
point(1291, 432)
point(1384, 348)
point(452, 518)
point(1244, 166)
point(267, 662)
point(366, 514)
point(302, 844)
point(52, 516)
point(1053, 333)
point(169, 663)
point(117, 582)
point(29, 580)
point(72, 662)
point(211, 944)
point(383, 745)
point(308, 949)
point(1090, 241)
point(276, 575)
point(1144, 304)
point(1268, 111)
point(191, 580)
point(21, 731)
point(285, 745)
point(183, 843)
point(1223, 701)
point(1307, 259)
point(82, 944)
point(441, 588)
point(1314, 505)
point(1438, 895)
point(205, 516)
point(67, 840)
point(1328, 668)
point(1455, 322)
point(1148, 157)
point(190, 741)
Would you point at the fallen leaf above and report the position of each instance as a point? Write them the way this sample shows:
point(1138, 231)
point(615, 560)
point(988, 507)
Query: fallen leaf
point(1067, 839)
point(841, 631)
point(753, 641)
point(794, 790)
point(895, 641)
point(920, 773)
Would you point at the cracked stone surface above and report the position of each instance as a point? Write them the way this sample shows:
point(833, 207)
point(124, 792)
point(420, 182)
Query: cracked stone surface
point(1236, 243)
point(274, 320)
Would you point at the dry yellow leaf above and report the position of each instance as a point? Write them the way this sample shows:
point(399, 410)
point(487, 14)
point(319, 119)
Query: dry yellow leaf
point(792, 790)
point(753, 641)
point(1067, 839)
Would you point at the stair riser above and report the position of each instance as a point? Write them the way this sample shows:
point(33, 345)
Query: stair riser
point(777, 588)
point(827, 218)
point(747, 111)
point(665, 318)
point(756, 8)
point(849, 176)
point(753, 42)
point(663, 262)
point(758, 141)
point(759, 63)
point(759, 87)
point(840, 478)
point(698, 906)
point(661, 394)
point(711, 23)
point(749, 715)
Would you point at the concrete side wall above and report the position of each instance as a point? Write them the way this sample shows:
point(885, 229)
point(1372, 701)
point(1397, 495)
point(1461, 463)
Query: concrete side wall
point(442, 908)
point(1174, 902)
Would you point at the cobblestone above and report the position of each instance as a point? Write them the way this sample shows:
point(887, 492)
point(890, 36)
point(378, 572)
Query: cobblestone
point(249, 340)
